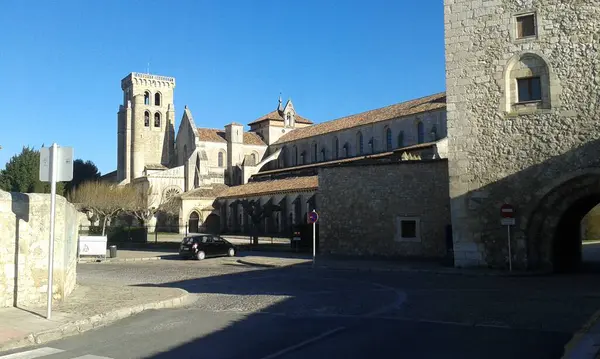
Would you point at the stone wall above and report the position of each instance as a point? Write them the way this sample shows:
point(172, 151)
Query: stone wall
point(24, 239)
point(518, 153)
point(360, 208)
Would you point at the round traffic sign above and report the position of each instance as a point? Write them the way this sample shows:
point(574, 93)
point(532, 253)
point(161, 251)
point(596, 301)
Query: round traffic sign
point(313, 217)
point(507, 211)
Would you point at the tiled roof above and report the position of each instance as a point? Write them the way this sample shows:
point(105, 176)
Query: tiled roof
point(205, 192)
point(211, 135)
point(285, 185)
point(278, 116)
point(424, 104)
point(251, 138)
point(216, 135)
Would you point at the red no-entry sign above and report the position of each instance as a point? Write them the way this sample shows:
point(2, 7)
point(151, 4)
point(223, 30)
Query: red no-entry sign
point(507, 211)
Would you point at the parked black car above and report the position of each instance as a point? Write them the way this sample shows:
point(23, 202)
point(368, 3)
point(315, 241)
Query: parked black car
point(201, 246)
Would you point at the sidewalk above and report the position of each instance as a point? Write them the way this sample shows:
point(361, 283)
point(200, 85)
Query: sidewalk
point(127, 255)
point(88, 307)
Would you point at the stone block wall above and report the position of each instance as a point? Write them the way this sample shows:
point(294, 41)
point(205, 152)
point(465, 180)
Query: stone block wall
point(24, 240)
point(506, 152)
point(360, 208)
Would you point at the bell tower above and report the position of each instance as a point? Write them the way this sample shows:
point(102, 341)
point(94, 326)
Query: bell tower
point(146, 122)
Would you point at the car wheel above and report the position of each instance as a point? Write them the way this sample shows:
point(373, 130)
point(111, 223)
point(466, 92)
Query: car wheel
point(200, 255)
point(231, 252)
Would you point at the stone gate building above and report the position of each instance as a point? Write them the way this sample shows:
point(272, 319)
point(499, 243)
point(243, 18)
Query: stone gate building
point(523, 81)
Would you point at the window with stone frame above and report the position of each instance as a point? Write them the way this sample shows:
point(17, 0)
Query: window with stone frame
point(220, 157)
point(408, 229)
point(147, 119)
point(527, 84)
point(529, 89)
point(526, 26)
point(157, 119)
point(146, 98)
point(157, 99)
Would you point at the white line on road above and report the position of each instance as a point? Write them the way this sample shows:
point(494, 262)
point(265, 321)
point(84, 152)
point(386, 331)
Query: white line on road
point(303, 343)
point(89, 356)
point(35, 353)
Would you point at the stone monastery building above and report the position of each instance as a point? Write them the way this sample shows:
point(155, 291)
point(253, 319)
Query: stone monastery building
point(517, 125)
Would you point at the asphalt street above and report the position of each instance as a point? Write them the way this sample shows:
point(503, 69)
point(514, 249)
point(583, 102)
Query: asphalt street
point(243, 312)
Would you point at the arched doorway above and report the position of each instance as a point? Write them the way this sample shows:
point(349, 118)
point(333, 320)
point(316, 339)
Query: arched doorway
point(194, 222)
point(213, 223)
point(554, 229)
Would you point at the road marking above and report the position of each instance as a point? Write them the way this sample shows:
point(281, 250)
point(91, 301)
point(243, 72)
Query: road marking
point(303, 343)
point(35, 353)
point(89, 356)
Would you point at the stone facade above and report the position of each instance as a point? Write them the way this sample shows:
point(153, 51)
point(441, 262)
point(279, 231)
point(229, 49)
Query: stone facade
point(24, 236)
point(362, 207)
point(522, 82)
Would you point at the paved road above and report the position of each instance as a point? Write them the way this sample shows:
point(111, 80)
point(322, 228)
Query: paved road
point(301, 313)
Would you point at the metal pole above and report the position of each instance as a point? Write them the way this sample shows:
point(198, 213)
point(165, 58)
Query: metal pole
point(53, 170)
point(509, 251)
point(314, 225)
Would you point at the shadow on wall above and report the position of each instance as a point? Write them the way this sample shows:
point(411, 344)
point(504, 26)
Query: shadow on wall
point(20, 208)
point(550, 200)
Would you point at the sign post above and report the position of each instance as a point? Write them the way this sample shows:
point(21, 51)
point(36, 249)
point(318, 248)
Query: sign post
point(313, 217)
point(56, 165)
point(508, 212)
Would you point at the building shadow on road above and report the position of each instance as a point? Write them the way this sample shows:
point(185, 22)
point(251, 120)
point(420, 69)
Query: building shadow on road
point(317, 313)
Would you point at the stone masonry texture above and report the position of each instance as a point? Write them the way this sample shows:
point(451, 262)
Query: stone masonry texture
point(541, 159)
point(24, 239)
point(359, 207)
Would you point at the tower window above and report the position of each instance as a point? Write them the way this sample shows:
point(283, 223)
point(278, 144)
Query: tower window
point(157, 99)
point(147, 119)
point(146, 98)
point(288, 119)
point(530, 89)
point(157, 119)
point(526, 26)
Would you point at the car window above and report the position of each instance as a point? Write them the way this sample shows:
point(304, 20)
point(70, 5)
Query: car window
point(217, 239)
point(206, 239)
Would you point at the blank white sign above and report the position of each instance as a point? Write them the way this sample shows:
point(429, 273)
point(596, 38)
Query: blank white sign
point(64, 171)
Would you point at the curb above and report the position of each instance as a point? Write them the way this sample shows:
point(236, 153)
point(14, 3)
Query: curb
point(99, 320)
point(404, 270)
point(583, 344)
point(116, 260)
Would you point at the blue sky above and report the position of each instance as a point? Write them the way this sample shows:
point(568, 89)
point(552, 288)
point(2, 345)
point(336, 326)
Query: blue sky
point(62, 61)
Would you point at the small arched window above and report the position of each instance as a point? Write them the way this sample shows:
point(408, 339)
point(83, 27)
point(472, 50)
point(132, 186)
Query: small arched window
point(157, 119)
point(401, 139)
point(147, 119)
point(288, 119)
point(146, 98)
point(420, 132)
point(302, 158)
point(254, 157)
point(323, 155)
point(336, 148)
point(315, 151)
point(295, 156)
point(157, 99)
point(359, 143)
point(388, 139)
point(434, 133)
point(346, 149)
point(282, 156)
point(220, 159)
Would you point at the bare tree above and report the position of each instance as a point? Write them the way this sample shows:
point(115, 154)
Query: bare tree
point(258, 213)
point(142, 207)
point(104, 199)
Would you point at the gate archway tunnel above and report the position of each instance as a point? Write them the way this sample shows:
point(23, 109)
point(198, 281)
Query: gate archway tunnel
point(561, 226)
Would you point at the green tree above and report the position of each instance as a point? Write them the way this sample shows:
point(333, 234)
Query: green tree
point(82, 172)
point(22, 174)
